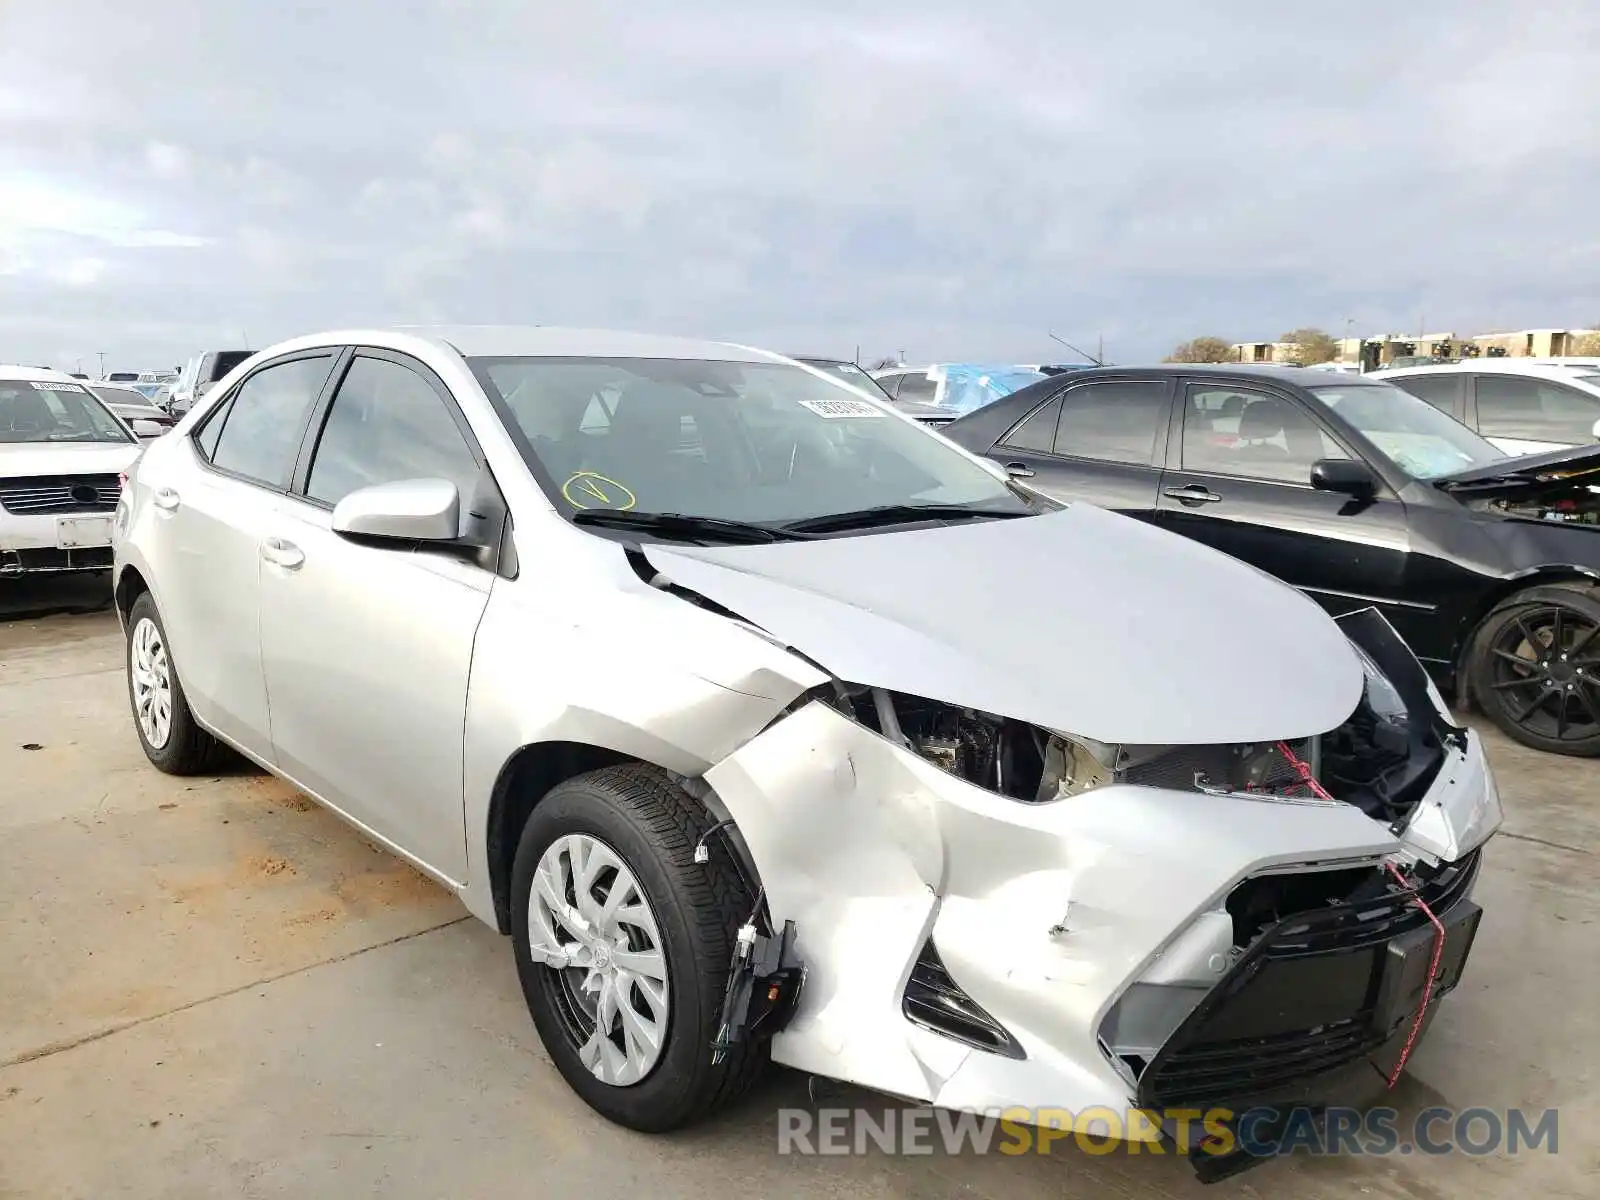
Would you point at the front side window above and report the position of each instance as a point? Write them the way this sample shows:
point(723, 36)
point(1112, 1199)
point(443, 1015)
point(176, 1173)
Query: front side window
point(1437, 390)
point(1419, 439)
point(386, 423)
point(1113, 421)
point(34, 410)
point(1538, 410)
point(763, 442)
point(1252, 435)
point(260, 432)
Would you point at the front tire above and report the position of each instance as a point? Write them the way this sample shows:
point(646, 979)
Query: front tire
point(1534, 668)
point(624, 943)
point(171, 738)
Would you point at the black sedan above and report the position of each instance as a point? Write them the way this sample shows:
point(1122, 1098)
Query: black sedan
point(1357, 493)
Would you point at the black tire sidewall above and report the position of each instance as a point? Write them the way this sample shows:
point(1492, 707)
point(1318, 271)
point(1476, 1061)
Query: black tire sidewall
point(670, 1095)
point(1583, 604)
point(175, 756)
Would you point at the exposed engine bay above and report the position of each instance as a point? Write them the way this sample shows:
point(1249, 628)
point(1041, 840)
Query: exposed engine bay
point(1379, 760)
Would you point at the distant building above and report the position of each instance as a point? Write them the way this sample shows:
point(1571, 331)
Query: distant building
point(1537, 343)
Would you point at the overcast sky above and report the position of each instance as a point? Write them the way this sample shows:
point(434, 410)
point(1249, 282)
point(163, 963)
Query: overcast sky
point(951, 180)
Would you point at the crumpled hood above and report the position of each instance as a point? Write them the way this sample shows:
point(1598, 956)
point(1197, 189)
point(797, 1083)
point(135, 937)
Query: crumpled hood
point(1527, 473)
point(23, 460)
point(1080, 620)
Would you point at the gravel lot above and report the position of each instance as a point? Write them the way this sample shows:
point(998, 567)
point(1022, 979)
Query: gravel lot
point(212, 987)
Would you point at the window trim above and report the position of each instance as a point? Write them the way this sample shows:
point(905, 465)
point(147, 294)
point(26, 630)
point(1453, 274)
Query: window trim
point(1004, 442)
point(1254, 388)
point(222, 409)
point(1158, 445)
point(311, 435)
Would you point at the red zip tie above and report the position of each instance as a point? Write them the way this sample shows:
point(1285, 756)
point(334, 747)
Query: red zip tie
point(1433, 970)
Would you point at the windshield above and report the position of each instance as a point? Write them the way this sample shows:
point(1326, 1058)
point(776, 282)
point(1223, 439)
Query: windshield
point(766, 442)
point(34, 410)
point(851, 374)
point(1422, 441)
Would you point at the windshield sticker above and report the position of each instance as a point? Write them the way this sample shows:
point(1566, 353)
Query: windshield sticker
point(590, 489)
point(833, 409)
point(55, 387)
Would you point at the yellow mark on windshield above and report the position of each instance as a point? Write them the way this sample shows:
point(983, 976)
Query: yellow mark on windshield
point(590, 489)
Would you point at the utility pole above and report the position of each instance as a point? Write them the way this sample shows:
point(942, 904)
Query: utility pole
point(1100, 348)
point(102, 355)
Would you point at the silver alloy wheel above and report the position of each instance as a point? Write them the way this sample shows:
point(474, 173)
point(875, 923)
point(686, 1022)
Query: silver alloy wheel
point(591, 923)
point(152, 683)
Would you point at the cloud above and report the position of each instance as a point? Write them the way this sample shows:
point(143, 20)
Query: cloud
point(950, 180)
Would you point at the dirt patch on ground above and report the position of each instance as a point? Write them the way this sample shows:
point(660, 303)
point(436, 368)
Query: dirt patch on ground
point(395, 885)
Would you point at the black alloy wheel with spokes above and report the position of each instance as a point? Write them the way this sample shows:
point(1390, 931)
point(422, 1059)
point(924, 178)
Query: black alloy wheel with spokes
point(1535, 668)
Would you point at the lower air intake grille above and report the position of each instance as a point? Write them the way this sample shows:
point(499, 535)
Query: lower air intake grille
point(935, 1001)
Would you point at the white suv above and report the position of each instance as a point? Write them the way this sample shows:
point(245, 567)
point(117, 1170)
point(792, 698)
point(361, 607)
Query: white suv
point(1521, 406)
point(62, 455)
point(708, 680)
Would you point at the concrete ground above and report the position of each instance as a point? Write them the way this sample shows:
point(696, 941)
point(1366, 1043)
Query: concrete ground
point(211, 987)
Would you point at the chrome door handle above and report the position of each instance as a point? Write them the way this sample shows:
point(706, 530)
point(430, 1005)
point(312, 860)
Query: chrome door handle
point(1019, 470)
point(166, 499)
point(1192, 494)
point(281, 553)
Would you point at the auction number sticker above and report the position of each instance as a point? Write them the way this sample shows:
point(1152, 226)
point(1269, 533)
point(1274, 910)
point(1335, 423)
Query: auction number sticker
point(833, 409)
point(56, 387)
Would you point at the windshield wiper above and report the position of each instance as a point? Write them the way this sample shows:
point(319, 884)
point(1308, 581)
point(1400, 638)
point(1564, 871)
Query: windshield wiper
point(895, 514)
point(685, 525)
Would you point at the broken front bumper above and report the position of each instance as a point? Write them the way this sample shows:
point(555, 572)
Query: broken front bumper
point(916, 894)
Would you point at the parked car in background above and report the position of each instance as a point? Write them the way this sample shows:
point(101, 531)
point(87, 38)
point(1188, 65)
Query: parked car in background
point(1523, 406)
point(200, 373)
point(62, 455)
point(1340, 368)
point(142, 416)
point(748, 720)
point(960, 387)
point(857, 376)
point(1358, 493)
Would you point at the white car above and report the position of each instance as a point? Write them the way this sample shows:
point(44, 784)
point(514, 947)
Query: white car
point(62, 455)
point(1521, 406)
point(144, 417)
point(703, 677)
point(954, 387)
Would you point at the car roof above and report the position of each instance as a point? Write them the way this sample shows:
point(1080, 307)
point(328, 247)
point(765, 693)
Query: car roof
point(7, 371)
point(550, 341)
point(1546, 370)
point(1303, 376)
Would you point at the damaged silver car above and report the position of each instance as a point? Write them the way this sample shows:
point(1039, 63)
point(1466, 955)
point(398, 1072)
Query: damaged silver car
point(721, 690)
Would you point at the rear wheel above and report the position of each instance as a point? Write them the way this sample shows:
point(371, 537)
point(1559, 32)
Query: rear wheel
point(1535, 668)
point(167, 730)
point(623, 946)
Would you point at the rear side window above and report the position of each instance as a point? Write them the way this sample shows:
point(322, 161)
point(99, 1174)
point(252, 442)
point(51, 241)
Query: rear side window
point(1038, 432)
point(1517, 406)
point(918, 388)
point(386, 423)
point(1113, 421)
point(260, 433)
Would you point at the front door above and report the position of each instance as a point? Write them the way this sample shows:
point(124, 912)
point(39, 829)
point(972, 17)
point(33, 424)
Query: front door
point(368, 647)
point(1241, 483)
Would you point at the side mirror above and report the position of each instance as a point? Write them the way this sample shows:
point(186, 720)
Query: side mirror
point(1343, 475)
point(148, 429)
point(411, 510)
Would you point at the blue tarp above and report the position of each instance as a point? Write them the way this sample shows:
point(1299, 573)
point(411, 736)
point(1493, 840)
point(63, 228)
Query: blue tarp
point(969, 386)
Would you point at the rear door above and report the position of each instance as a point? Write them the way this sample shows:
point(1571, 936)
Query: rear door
point(217, 501)
point(1242, 484)
point(1523, 414)
point(1099, 442)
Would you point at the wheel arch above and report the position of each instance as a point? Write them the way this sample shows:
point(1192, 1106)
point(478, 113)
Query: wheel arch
point(524, 780)
point(130, 585)
point(1493, 597)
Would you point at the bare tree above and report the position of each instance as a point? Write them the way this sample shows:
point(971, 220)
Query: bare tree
point(1201, 350)
point(1315, 345)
